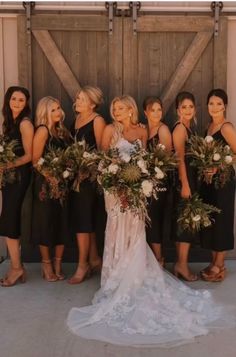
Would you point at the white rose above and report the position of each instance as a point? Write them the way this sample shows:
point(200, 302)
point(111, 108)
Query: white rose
point(55, 159)
point(196, 218)
point(125, 157)
point(147, 188)
point(162, 146)
point(159, 174)
point(113, 168)
point(216, 156)
point(209, 139)
point(41, 161)
point(142, 165)
point(66, 174)
point(1, 148)
point(227, 148)
point(228, 159)
point(160, 163)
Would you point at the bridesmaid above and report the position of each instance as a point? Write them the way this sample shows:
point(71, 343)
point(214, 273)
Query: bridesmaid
point(16, 126)
point(219, 238)
point(186, 110)
point(89, 125)
point(158, 133)
point(49, 220)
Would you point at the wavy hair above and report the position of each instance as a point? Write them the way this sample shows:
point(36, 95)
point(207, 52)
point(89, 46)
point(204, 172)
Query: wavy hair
point(8, 121)
point(43, 117)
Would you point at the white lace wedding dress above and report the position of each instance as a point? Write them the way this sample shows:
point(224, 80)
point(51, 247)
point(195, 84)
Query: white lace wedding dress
point(140, 304)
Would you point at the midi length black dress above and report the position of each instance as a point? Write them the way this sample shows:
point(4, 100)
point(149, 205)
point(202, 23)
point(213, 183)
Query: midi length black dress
point(83, 204)
point(49, 217)
point(157, 209)
point(185, 237)
point(220, 235)
point(13, 193)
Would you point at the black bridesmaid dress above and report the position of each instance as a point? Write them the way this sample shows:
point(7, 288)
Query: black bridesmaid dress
point(83, 204)
point(185, 237)
point(220, 236)
point(49, 217)
point(158, 209)
point(13, 193)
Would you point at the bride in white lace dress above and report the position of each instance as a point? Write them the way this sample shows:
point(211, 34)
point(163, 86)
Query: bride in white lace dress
point(139, 304)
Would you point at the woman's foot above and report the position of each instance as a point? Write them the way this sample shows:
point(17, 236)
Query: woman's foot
point(13, 276)
point(206, 270)
point(83, 272)
point(47, 271)
point(215, 274)
point(57, 268)
point(184, 273)
point(96, 266)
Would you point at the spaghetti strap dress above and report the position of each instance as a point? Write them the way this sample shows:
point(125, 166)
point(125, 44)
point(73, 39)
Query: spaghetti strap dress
point(191, 171)
point(82, 204)
point(220, 235)
point(13, 193)
point(157, 209)
point(49, 217)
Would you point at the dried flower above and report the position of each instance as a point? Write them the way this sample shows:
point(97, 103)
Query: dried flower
point(194, 214)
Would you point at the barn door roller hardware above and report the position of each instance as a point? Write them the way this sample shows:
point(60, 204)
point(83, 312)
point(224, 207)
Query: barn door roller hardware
point(216, 7)
point(134, 8)
point(111, 6)
point(28, 6)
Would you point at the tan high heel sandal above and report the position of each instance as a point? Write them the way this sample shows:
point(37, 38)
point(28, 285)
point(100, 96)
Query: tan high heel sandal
point(47, 271)
point(84, 272)
point(215, 274)
point(14, 275)
point(57, 268)
point(191, 277)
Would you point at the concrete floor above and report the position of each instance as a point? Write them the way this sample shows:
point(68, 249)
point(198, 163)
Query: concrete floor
point(33, 315)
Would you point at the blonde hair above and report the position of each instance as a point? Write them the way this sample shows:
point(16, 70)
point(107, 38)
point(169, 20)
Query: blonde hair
point(94, 95)
point(43, 117)
point(130, 103)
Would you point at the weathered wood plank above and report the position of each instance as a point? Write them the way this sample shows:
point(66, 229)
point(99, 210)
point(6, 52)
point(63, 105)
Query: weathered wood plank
point(220, 55)
point(185, 67)
point(57, 61)
point(70, 22)
point(22, 51)
point(175, 23)
point(115, 58)
point(130, 59)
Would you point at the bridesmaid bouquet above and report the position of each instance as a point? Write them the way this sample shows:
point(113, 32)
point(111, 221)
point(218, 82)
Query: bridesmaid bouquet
point(194, 214)
point(7, 156)
point(133, 176)
point(56, 173)
point(80, 163)
point(207, 154)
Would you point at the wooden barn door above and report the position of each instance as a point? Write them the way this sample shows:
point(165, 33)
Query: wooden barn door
point(147, 55)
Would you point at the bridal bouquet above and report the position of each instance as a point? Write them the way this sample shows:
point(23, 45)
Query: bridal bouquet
point(194, 214)
point(207, 153)
point(7, 156)
point(132, 176)
point(80, 162)
point(56, 173)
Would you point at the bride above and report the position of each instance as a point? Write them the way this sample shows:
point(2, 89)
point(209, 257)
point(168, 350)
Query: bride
point(138, 304)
